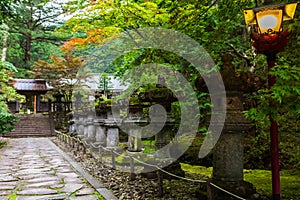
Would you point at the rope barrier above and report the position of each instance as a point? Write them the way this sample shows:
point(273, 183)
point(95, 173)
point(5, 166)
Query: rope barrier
point(96, 147)
point(227, 192)
point(155, 166)
point(170, 174)
point(86, 144)
point(149, 165)
point(120, 154)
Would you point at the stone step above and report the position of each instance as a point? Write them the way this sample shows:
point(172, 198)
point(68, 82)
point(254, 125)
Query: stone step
point(31, 126)
point(31, 132)
point(27, 135)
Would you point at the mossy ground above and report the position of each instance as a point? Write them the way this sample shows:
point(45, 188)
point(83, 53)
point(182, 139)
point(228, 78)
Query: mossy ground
point(261, 179)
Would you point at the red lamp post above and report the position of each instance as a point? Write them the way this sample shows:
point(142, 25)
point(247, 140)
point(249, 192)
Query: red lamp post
point(269, 39)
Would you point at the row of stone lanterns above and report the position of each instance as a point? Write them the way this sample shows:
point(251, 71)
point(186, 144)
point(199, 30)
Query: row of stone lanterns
point(102, 127)
point(101, 130)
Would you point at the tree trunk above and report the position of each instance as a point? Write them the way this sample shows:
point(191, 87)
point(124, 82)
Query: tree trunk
point(4, 49)
point(5, 37)
point(27, 48)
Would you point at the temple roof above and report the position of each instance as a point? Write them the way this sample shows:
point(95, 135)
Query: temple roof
point(30, 85)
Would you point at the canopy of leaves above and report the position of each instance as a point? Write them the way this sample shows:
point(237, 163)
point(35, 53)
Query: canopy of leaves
point(217, 25)
point(31, 24)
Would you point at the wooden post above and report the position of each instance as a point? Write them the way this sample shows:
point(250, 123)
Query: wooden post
point(34, 104)
point(100, 154)
point(132, 175)
point(274, 146)
point(160, 184)
point(113, 160)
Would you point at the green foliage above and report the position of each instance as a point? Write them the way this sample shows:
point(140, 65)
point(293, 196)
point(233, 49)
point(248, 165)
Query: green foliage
point(148, 146)
point(257, 154)
point(61, 72)
point(286, 91)
point(6, 8)
point(2, 144)
point(31, 26)
point(285, 96)
point(105, 83)
point(7, 93)
point(6, 119)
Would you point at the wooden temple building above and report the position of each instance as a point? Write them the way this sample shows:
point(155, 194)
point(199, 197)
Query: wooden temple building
point(35, 118)
point(33, 90)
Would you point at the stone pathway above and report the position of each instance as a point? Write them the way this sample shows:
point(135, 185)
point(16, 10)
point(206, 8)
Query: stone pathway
point(35, 168)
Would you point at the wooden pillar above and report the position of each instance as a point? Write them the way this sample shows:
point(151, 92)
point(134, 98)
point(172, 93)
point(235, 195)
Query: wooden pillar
point(34, 104)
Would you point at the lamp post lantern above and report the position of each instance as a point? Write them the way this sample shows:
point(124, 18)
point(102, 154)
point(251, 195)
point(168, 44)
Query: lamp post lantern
point(269, 39)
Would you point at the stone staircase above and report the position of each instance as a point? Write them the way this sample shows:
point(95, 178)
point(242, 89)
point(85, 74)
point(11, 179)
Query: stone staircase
point(33, 125)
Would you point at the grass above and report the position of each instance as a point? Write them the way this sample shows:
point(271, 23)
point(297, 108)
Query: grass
point(196, 169)
point(261, 179)
point(148, 146)
point(2, 144)
point(100, 197)
point(12, 196)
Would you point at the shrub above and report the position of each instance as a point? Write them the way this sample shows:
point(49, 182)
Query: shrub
point(6, 120)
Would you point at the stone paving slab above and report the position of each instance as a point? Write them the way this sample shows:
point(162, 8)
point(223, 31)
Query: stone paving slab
point(36, 169)
point(37, 191)
point(44, 197)
point(7, 187)
point(71, 188)
point(5, 192)
point(56, 184)
point(84, 198)
point(85, 191)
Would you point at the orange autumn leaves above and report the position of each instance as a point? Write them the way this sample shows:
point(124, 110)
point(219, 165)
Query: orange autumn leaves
point(61, 67)
point(94, 37)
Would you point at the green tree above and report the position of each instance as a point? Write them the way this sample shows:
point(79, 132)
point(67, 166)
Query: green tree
point(33, 21)
point(7, 93)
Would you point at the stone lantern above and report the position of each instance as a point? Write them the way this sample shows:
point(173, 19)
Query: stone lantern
point(163, 97)
point(228, 153)
point(133, 123)
point(78, 114)
point(109, 128)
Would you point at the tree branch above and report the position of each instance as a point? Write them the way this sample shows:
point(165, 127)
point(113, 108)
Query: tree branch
point(240, 54)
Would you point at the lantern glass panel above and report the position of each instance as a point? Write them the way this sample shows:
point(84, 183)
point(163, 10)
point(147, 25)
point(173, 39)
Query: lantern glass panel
point(269, 21)
point(289, 11)
point(267, 16)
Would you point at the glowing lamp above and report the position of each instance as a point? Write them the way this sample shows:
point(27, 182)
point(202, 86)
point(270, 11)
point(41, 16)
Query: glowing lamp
point(268, 19)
